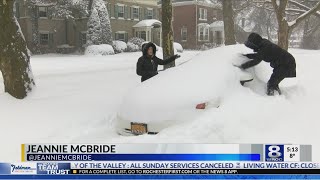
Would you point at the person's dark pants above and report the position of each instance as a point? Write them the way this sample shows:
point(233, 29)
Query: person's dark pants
point(279, 73)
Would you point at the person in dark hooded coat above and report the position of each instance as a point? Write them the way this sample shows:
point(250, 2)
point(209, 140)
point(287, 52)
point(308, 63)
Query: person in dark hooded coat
point(147, 65)
point(282, 62)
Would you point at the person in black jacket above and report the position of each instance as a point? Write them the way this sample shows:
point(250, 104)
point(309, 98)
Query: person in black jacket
point(147, 65)
point(282, 62)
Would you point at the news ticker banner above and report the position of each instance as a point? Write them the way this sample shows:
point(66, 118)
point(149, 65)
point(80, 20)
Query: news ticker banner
point(166, 152)
point(157, 168)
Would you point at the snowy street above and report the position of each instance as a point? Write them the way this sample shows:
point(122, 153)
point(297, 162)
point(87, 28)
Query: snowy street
point(77, 99)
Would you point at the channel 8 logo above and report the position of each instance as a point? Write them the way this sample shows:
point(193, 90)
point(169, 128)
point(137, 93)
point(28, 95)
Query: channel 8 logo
point(274, 152)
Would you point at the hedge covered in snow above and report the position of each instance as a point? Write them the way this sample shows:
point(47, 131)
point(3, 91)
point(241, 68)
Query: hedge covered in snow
point(99, 50)
point(119, 46)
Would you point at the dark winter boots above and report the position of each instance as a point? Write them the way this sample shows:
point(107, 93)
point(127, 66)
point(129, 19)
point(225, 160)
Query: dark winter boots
point(272, 88)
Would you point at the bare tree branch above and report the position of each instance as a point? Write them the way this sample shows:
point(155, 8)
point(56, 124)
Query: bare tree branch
point(304, 7)
point(307, 14)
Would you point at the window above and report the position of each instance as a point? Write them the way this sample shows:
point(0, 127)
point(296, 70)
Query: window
point(17, 10)
point(142, 35)
point(109, 9)
point(203, 33)
point(121, 36)
point(135, 13)
point(44, 38)
point(120, 11)
point(150, 14)
point(43, 12)
point(184, 34)
point(203, 14)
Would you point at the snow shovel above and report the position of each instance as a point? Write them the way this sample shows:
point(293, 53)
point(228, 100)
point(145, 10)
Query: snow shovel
point(214, 103)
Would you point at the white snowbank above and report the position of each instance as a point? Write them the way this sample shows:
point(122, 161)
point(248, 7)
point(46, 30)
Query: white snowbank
point(99, 50)
point(178, 90)
point(119, 46)
point(246, 114)
point(178, 47)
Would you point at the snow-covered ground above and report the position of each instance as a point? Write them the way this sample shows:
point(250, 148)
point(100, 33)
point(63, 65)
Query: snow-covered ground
point(77, 98)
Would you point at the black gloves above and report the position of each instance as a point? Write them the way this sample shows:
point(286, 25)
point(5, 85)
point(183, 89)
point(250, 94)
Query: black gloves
point(176, 56)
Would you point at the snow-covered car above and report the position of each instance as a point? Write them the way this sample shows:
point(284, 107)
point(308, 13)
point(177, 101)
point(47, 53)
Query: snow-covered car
point(170, 97)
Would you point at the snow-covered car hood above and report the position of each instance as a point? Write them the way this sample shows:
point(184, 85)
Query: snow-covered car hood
point(174, 93)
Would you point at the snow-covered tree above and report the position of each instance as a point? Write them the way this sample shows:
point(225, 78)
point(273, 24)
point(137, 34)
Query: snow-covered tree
point(106, 36)
point(94, 31)
point(63, 9)
point(14, 54)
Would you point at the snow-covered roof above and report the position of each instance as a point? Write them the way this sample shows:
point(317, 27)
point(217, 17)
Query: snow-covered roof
point(207, 3)
point(148, 23)
point(217, 24)
point(204, 24)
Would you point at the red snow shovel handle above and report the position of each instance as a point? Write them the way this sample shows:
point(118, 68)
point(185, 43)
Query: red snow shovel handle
point(201, 106)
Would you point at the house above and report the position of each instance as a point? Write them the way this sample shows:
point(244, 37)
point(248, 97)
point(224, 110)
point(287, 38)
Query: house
point(128, 18)
point(196, 22)
point(134, 19)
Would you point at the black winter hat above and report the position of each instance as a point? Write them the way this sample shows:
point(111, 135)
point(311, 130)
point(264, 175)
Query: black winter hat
point(146, 46)
point(254, 41)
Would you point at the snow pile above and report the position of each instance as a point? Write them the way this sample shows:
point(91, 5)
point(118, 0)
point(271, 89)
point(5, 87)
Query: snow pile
point(119, 46)
point(178, 47)
point(177, 90)
point(102, 50)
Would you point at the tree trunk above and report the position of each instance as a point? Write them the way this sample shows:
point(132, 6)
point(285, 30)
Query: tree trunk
point(283, 27)
point(167, 32)
point(228, 20)
point(32, 8)
point(15, 59)
point(283, 34)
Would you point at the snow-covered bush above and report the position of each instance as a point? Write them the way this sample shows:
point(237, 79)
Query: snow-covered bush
point(132, 47)
point(136, 41)
point(99, 50)
point(119, 46)
point(178, 47)
point(207, 46)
